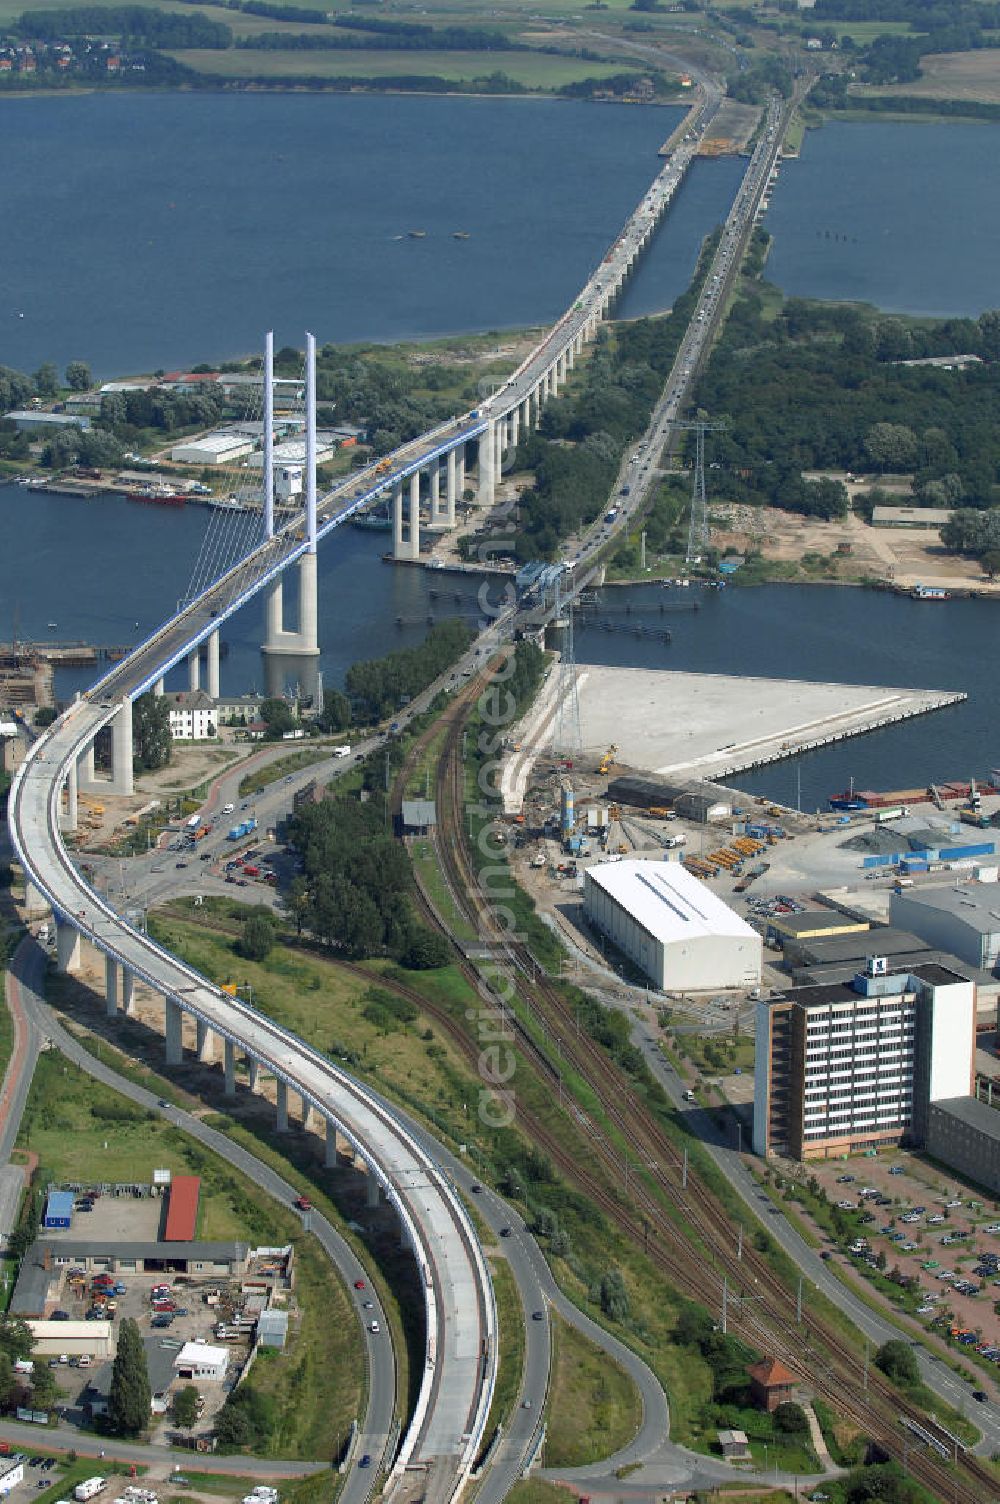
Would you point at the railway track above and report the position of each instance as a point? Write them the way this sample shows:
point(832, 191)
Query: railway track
point(696, 1246)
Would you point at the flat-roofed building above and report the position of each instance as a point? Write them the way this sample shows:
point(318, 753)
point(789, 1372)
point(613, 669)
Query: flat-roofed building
point(963, 918)
point(964, 1134)
point(845, 1067)
point(75, 1338)
point(672, 926)
point(218, 448)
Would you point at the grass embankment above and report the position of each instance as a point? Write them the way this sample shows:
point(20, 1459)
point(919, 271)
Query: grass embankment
point(77, 1125)
point(272, 772)
point(433, 1081)
point(593, 1408)
point(535, 71)
point(510, 1366)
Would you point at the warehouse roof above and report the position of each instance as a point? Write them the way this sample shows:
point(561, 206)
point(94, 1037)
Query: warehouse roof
point(59, 1204)
point(668, 901)
point(201, 1352)
point(974, 904)
point(219, 442)
point(973, 1113)
point(71, 1331)
point(182, 1209)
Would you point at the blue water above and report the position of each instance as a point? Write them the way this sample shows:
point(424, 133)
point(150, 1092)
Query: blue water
point(905, 216)
point(150, 231)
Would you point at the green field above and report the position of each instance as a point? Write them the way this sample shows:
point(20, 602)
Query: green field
point(593, 1408)
point(532, 70)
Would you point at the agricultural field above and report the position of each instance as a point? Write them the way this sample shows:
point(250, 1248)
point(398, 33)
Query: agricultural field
point(530, 70)
point(952, 75)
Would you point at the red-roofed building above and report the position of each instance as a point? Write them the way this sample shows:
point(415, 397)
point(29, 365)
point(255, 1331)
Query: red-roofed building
point(771, 1384)
point(182, 1209)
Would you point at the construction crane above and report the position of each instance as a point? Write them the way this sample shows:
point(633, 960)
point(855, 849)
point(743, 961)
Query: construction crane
point(698, 526)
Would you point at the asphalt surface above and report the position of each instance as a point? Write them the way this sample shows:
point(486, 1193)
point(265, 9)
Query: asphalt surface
point(25, 982)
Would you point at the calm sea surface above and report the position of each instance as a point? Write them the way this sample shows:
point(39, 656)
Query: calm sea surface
point(149, 231)
point(905, 216)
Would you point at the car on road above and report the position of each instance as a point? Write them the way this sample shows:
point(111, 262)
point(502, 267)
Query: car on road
point(373, 1326)
point(505, 1232)
point(303, 1203)
point(538, 1315)
point(366, 1460)
point(359, 1284)
point(180, 864)
point(980, 1395)
point(368, 1305)
point(895, 1169)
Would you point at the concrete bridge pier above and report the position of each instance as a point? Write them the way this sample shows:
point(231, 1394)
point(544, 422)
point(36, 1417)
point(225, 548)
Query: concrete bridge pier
point(371, 1191)
point(305, 641)
point(122, 781)
point(128, 992)
point(484, 465)
point(34, 903)
point(253, 1072)
point(451, 487)
point(229, 1067)
point(67, 947)
point(413, 516)
point(194, 670)
point(308, 1115)
point(111, 986)
point(204, 1045)
point(281, 1126)
point(436, 500)
point(397, 520)
point(515, 423)
point(71, 817)
point(499, 445)
point(213, 665)
point(330, 1156)
point(459, 472)
point(173, 1019)
point(159, 688)
point(85, 764)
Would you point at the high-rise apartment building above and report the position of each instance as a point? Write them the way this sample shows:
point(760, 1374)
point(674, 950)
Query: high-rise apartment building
point(850, 1066)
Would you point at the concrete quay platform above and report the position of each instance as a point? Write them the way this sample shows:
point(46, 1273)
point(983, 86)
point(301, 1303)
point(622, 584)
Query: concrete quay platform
point(711, 726)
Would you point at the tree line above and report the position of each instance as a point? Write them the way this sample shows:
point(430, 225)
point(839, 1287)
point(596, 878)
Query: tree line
point(134, 24)
point(378, 687)
point(828, 392)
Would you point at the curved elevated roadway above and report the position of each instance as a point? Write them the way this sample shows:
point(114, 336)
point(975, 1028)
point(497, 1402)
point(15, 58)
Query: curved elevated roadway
point(460, 1361)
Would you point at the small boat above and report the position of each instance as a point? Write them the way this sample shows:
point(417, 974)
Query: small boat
point(52, 625)
point(459, 234)
point(929, 593)
point(417, 234)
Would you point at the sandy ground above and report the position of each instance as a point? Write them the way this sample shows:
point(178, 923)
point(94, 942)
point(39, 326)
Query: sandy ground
point(902, 556)
point(731, 129)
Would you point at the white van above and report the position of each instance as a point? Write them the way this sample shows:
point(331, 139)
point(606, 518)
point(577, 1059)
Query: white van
point(228, 809)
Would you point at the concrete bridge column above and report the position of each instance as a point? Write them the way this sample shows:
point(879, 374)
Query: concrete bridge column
point(72, 793)
point(397, 520)
point(413, 517)
point(173, 1020)
point(515, 424)
point(121, 752)
point(571, 355)
point(229, 1068)
point(330, 1157)
point(253, 1072)
point(460, 473)
point(434, 492)
point(34, 903)
point(451, 487)
point(308, 633)
point(213, 665)
point(111, 986)
point(308, 1114)
point(282, 1107)
point(204, 1046)
point(371, 1191)
point(485, 467)
point(499, 445)
point(274, 614)
point(158, 687)
point(526, 415)
point(194, 670)
point(128, 991)
point(85, 766)
point(67, 947)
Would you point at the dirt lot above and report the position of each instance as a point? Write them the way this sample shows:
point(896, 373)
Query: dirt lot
point(916, 1184)
point(952, 75)
point(905, 556)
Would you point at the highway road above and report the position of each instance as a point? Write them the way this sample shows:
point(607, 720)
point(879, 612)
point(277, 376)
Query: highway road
point(25, 985)
point(460, 1316)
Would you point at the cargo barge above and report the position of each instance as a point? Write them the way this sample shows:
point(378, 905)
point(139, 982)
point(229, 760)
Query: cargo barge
point(936, 793)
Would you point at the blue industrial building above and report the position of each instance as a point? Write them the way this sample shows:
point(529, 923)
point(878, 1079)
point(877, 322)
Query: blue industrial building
point(59, 1209)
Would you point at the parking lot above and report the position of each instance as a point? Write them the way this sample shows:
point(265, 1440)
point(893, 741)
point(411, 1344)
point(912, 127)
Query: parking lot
point(930, 1229)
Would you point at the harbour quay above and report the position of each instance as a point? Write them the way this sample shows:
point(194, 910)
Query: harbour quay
point(713, 726)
